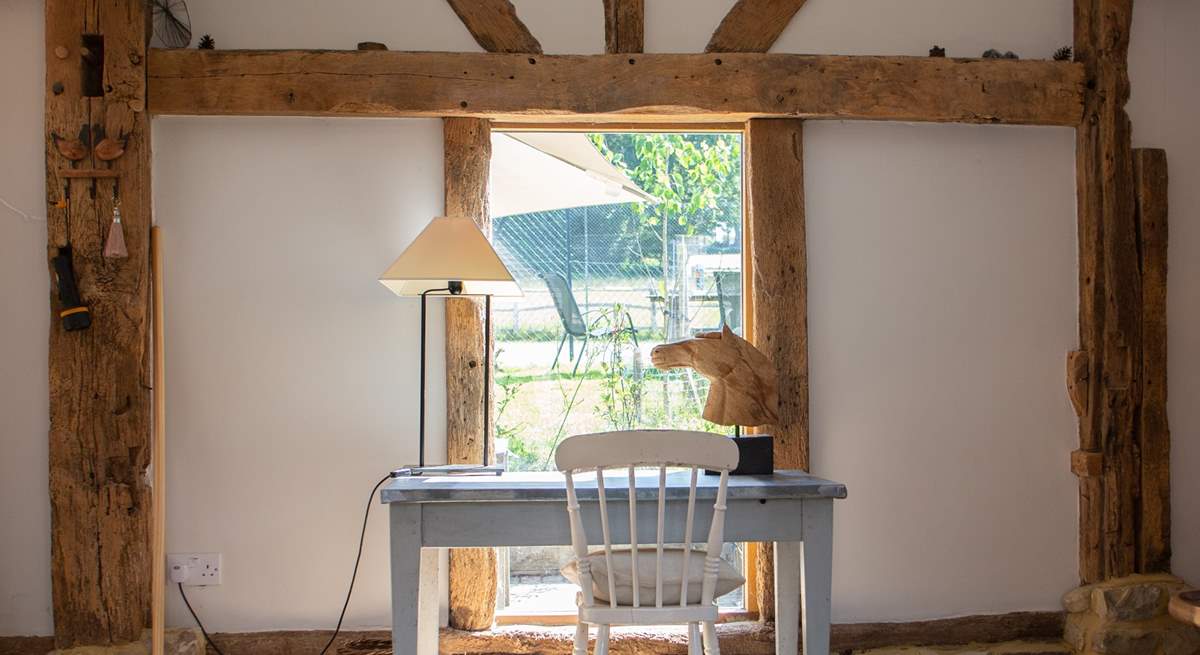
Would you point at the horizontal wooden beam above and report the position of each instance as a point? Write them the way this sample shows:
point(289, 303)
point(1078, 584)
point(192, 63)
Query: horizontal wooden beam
point(614, 87)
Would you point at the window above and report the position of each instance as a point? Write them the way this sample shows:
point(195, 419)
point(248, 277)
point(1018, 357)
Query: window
point(621, 241)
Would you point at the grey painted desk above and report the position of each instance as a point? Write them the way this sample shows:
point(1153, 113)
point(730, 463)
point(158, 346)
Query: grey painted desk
point(791, 508)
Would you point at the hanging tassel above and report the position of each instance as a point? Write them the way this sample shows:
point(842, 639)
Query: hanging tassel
point(114, 246)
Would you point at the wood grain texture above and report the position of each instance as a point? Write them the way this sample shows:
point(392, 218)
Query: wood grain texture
point(1078, 368)
point(1087, 464)
point(775, 210)
point(158, 550)
point(624, 26)
point(775, 194)
point(746, 638)
point(468, 153)
point(641, 87)
point(740, 638)
point(99, 381)
point(753, 25)
point(1110, 292)
point(495, 25)
point(743, 384)
point(1154, 437)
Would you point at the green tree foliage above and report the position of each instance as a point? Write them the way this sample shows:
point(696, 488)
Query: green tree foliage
point(696, 177)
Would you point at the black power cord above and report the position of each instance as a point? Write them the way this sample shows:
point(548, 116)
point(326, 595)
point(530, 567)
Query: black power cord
point(204, 632)
point(354, 575)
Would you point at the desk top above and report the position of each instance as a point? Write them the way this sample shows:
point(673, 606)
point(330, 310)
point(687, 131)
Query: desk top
point(533, 487)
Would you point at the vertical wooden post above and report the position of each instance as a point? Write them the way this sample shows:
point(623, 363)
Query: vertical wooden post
point(100, 404)
point(1154, 437)
point(1110, 294)
point(468, 154)
point(775, 197)
point(624, 25)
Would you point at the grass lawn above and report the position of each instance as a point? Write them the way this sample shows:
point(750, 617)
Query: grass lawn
point(538, 408)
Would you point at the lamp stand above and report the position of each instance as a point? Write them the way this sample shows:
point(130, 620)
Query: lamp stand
point(454, 288)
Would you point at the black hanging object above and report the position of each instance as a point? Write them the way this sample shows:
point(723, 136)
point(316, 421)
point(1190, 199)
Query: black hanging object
point(74, 314)
point(172, 25)
point(207, 42)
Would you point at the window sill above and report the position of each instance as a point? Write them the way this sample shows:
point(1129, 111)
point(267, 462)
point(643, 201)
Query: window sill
point(741, 637)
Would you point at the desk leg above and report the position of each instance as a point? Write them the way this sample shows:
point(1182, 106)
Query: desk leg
point(787, 597)
point(817, 574)
point(406, 561)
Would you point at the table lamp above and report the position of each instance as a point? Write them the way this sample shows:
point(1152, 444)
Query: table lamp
point(452, 257)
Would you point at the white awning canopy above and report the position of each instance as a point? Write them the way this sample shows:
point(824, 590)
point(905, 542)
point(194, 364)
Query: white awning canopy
point(540, 171)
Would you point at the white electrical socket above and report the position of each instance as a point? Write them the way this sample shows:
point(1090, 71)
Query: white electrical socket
point(194, 569)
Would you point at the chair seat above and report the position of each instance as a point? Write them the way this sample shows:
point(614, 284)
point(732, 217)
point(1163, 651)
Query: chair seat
point(673, 571)
point(629, 615)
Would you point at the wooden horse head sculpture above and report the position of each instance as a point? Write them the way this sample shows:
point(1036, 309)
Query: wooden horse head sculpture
point(743, 386)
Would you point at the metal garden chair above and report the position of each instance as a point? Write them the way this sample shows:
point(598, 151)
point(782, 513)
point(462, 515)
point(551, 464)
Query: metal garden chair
point(573, 322)
point(631, 450)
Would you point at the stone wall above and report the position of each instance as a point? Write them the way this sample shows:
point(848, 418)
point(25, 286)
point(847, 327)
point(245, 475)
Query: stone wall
point(1128, 616)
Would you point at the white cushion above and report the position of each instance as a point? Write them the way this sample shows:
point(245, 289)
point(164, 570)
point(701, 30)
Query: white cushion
point(728, 578)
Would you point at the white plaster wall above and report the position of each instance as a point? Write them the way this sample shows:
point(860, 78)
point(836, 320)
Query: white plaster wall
point(292, 374)
point(942, 298)
point(1166, 93)
point(24, 321)
point(941, 294)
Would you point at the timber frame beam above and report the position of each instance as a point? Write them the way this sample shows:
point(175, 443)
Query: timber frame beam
point(468, 156)
point(1117, 380)
point(99, 392)
point(648, 87)
point(100, 384)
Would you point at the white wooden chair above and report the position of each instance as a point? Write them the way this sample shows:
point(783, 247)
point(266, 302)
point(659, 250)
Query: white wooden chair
point(639, 449)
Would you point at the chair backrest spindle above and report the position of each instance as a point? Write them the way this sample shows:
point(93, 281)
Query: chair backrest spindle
point(658, 552)
point(608, 563)
point(579, 542)
point(687, 539)
point(633, 539)
point(647, 448)
point(713, 555)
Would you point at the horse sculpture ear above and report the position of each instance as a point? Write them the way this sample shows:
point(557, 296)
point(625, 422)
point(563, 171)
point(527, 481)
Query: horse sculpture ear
point(727, 331)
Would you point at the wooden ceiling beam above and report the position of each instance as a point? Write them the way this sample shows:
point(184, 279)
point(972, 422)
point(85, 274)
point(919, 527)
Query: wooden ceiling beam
point(753, 25)
point(624, 26)
point(495, 25)
point(699, 87)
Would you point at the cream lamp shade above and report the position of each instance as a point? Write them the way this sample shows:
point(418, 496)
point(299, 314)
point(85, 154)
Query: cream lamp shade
point(450, 248)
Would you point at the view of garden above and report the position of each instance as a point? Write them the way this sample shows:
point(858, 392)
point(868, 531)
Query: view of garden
point(603, 284)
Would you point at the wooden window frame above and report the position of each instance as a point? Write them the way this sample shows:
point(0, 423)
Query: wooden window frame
point(750, 610)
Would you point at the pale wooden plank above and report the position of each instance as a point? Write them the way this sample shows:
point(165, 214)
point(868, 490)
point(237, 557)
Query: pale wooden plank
point(158, 557)
point(652, 87)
